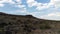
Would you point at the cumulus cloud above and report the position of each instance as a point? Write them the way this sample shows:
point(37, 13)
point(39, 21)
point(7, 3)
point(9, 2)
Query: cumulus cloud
point(51, 16)
point(7, 1)
point(1, 5)
point(2, 2)
point(16, 3)
point(57, 3)
point(39, 6)
point(20, 5)
point(31, 3)
point(42, 6)
point(22, 10)
point(54, 14)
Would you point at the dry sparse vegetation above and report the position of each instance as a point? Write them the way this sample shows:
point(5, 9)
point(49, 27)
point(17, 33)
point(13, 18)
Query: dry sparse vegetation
point(19, 24)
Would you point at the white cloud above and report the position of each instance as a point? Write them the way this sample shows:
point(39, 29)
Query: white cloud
point(20, 6)
point(18, 3)
point(22, 10)
point(51, 16)
point(2, 2)
point(7, 1)
point(41, 6)
point(31, 3)
point(57, 3)
point(54, 14)
point(1, 5)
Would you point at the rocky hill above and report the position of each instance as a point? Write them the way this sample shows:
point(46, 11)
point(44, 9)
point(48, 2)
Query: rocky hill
point(27, 24)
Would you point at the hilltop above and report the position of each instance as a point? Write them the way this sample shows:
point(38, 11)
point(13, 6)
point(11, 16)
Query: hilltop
point(27, 24)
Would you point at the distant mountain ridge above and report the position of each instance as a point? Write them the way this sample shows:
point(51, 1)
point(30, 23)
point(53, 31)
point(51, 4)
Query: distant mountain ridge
point(1, 13)
point(6, 14)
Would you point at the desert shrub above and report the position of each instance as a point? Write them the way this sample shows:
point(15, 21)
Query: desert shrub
point(2, 25)
point(13, 18)
point(1, 30)
point(45, 27)
point(8, 32)
point(27, 28)
point(59, 31)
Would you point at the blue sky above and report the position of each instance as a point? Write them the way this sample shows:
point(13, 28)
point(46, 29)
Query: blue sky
point(44, 9)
